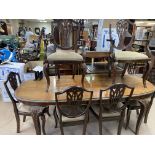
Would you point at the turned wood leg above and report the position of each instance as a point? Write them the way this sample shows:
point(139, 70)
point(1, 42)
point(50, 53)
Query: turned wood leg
point(18, 122)
point(146, 73)
point(127, 118)
point(85, 124)
point(36, 122)
point(55, 117)
point(61, 126)
point(57, 70)
point(100, 120)
point(84, 70)
point(121, 122)
point(24, 118)
point(137, 111)
point(140, 118)
point(47, 111)
point(43, 123)
point(124, 70)
point(46, 73)
point(148, 109)
point(113, 72)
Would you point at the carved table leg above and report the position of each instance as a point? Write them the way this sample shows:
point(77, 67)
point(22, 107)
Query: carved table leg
point(46, 73)
point(146, 73)
point(124, 70)
point(36, 122)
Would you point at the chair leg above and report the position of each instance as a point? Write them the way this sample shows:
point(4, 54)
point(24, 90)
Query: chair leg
point(147, 112)
point(127, 118)
point(139, 120)
point(100, 122)
point(43, 123)
point(137, 111)
point(61, 127)
point(121, 122)
point(55, 117)
point(18, 122)
point(48, 113)
point(24, 118)
point(85, 124)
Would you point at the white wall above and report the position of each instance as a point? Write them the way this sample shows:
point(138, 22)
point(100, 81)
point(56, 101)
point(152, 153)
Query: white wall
point(33, 25)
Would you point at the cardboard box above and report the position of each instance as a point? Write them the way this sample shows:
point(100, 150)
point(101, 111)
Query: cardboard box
point(14, 67)
point(29, 76)
point(3, 92)
point(4, 71)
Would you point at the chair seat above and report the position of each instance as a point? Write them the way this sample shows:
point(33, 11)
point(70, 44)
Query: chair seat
point(105, 113)
point(129, 55)
point(66, 119)
point(134, 104)
point(75, 111)
point(61, 55)
point(25, 108)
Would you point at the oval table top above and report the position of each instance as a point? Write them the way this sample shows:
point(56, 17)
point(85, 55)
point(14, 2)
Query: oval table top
point(33, 92)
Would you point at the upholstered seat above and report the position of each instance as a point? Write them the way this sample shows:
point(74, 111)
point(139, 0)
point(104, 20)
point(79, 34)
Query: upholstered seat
point(66, 119)
point(61, 55)
point(105, 112)
point(25, 108)
point(129, 55)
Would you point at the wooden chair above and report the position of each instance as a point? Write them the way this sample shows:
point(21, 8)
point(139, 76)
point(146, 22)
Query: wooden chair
point(144, 105)
point(113, 108)
point(20, 109)
point(71, 108)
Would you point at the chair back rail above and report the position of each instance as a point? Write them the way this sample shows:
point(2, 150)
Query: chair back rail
point(116, 93)
point(71, 103)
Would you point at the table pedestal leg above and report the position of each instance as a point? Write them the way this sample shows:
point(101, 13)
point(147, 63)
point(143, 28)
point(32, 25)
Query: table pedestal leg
point(36, 122)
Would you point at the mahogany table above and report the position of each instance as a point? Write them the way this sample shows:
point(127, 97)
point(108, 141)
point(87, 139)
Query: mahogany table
point(33, 92)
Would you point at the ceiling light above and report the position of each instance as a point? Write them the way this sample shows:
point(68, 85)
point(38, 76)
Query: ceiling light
point(43, 21)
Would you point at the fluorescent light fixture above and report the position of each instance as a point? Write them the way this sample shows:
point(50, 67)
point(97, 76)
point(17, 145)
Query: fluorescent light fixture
point(139, 22)
point(43, 21)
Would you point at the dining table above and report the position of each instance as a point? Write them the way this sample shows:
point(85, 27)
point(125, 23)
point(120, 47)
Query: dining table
point(33, 92)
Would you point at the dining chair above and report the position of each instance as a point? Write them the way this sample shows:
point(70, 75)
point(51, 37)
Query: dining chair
point(144, 105)
point(112, 105)
point(14, 81)
point(72, 107)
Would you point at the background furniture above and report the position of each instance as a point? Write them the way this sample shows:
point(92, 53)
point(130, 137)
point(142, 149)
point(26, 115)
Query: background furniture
point(29, 94)
point(99, 67)
point(70, 107)
point(23, 110)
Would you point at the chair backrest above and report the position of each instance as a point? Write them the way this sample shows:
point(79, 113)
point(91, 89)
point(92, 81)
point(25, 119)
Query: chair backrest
point(123, 31)
point(13, 81)
point(74, 101)
point(115, 94)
